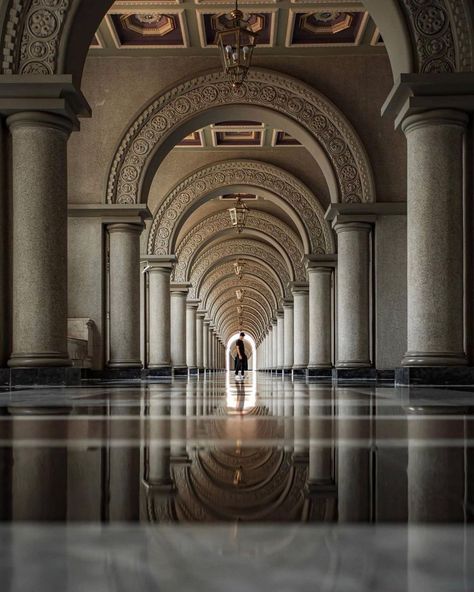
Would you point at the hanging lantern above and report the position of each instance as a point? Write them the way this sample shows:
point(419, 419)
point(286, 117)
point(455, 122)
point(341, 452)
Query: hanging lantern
point(238, 215)
point(240, 294)
point(236, 44)
point(240, 309)
point(238, 268)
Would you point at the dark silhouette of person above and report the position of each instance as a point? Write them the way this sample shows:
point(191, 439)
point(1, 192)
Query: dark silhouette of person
point(242, 361)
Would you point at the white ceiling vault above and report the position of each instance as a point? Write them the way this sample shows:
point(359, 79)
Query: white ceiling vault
point(184, 27)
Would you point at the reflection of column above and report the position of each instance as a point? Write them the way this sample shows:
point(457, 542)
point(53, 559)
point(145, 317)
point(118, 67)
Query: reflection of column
point(280, 340)
point(124, 247)
point(436, 471)
point(39, 230)
point(353, 458)
point(39, 473)
point(321, 428)
point(353, 302)
point(200, 339)
point(178, 424)
point(301, 325)
point(157, 471)
point(159, 313)
point(320, 317)
point(123, 480)
point(192, 344)
point(205, 344)
point(288, 334)
point(179, 293)
point(301, 408)
point(286, 391)
point(435, 238)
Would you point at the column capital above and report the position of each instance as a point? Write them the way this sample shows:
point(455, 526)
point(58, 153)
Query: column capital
point(201, 314)
point(416, 93)
point(320, 262)
point(341, 225)
point(31, 119)
point(49, 94)
point(438, 117)
point(159, 263)
point(111, 213)
point(180, 288)
point(193, 303)
point(287, 303)
point(299, 287)
point(126, 227)
point(279, 314)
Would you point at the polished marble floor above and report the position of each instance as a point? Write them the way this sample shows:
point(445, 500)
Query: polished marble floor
point(208, 484)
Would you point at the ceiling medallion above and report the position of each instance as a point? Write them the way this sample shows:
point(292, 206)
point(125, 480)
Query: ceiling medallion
point(149, 24)
point(238, 214)
point(327, 22)
point(236, 42)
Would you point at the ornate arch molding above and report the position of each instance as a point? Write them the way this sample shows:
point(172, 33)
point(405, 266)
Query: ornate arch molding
point(225, 270)
point(257, 176)
point(252, 264)
point(243, 248)
point(252, 321)
point(258, 290)
point(224, 306)
point(148, 138)
point(197, 239)
point(442, 34)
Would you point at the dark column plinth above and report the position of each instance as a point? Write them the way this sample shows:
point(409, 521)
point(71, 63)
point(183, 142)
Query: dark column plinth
point(434, 375)
point(61, 376)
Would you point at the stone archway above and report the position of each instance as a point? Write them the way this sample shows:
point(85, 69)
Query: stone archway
point(241, 175)
point(245, 248)
point(266, 95)
point(216, 225)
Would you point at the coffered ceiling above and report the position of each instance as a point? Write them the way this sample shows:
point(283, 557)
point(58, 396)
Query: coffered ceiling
point(189, 26)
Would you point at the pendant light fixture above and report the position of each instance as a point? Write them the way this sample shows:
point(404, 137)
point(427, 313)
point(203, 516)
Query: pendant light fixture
point(236, 43)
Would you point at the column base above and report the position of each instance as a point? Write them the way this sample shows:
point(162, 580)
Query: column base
point(161, 372)
point(43, 376)
point(112, 374)
point(428, 359)
point(193, 371)
point(39, 360)
point(126, 364)
point(353, 364)
point(354, 374)
point(298, 372)
point(434, 375)
point(320, 373)
point(180, 371)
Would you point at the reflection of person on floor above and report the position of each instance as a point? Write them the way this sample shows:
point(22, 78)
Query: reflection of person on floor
point(240, 396)
point(242, 364)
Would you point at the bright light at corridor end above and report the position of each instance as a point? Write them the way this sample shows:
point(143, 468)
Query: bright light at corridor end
point(244, 396)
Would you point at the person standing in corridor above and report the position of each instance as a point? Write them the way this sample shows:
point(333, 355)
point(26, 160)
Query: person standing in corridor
point(242, 363)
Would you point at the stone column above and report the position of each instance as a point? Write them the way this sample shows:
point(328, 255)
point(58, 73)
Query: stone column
point(270, 347)
point(39, 245)
point(199, 338)
point(353, 294)
point(274, 344)
point(124, 253)
point(320, 317)
point(435, 238)
point(179, 293)
point(159, 314)
point(288, 334)
point(205, 344)
point(192, 344)
point(280, 340)
point(300, 326)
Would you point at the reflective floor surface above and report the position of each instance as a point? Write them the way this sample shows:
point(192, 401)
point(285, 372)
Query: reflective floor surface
point(212, 485)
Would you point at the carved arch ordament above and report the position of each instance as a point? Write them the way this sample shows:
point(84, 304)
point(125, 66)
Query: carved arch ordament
point(188, 248)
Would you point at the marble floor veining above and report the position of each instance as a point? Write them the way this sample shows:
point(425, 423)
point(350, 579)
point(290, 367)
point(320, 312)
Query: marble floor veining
point(208, 484)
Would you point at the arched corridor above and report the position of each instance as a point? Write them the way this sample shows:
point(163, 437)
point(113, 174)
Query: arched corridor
point(236, 286)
